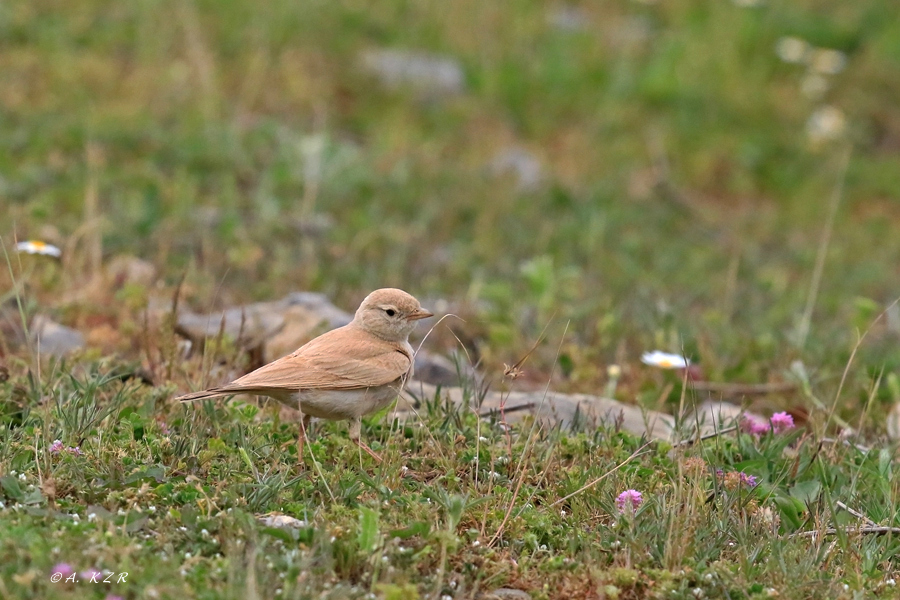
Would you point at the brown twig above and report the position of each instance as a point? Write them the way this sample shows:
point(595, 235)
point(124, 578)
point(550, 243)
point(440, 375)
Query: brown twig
point(495, 411)
point(404, 381)
point(708, 436)
point(514, 371)
point(832, 531)
point(171, 326)
point(588, 486)
point(856, 514)
point(859, 447)
point(535, 431)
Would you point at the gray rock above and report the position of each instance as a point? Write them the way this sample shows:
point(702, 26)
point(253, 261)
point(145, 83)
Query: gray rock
point(893, 423)
point(439, 75)
point(321, 305)
point(248, 325)
point(550, 409)
point(280, 521)
point(255, 325)
point(568, 18)
point(54, 339)
point(505, 594)
point(280, 327)
point(554, 408)
point(524, 165)
point(631, 31)
point(440, 370)
point(130, 269)
point(721, 414)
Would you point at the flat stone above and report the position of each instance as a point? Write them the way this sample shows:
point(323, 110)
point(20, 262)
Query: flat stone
point(321, 305)
point(505, 594)
point(568, 18)
point(281, 521)
point(55, 339)
point(436, 74)
point(525, 166)
point(440, 370)
point(555, 408)
point(299, 326)
point(550, 409)
point(126, 269)
point(893, 422)
point(634, 31)
point(721, 414)
point(249, 326)
point(278, 327)
point(282, 326)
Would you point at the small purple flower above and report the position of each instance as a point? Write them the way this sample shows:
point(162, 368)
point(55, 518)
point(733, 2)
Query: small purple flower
point(753, 426)
point(629, 501)
point(732, 480)
point(111, 597)
point(781, 421)
point(76, 450)
point(748, 480)
point(55, 447)
point(91, 575)
point(65, 570)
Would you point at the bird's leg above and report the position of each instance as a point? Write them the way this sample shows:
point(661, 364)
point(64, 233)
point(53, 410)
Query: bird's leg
point(355, 428)
point(301, 439)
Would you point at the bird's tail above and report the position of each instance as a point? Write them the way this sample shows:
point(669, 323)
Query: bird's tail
point(210, 393)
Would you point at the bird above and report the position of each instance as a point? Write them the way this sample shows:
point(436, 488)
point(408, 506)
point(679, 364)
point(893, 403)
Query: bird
point(345, 373)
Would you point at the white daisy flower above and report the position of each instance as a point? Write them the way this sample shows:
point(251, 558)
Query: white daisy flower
point(36, 247)
point(826, 124)
point(814, 86)
point(827, 61)
point(664, 360)
point(792, 50)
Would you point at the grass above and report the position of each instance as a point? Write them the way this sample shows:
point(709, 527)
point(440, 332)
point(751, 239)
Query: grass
point(245, 151)
point(171, 495)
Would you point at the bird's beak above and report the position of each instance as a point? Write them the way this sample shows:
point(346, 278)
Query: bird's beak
point(420, 313)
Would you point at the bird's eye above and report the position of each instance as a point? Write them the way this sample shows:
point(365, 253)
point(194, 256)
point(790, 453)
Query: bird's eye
point(390, 312)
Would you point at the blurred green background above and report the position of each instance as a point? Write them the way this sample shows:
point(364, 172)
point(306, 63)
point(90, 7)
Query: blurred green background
point(653, 174)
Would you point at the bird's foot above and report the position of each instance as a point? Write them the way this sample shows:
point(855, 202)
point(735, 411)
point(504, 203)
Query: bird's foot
point(300, 464)
point(301, 440)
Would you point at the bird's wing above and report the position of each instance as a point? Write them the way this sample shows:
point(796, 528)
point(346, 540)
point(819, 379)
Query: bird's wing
point(345, 358)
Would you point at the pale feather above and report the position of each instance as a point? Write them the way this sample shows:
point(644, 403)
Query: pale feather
point(347, 358)
point(346, 373)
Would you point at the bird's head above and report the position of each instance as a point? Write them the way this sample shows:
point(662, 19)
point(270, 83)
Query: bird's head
point(390, 314)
